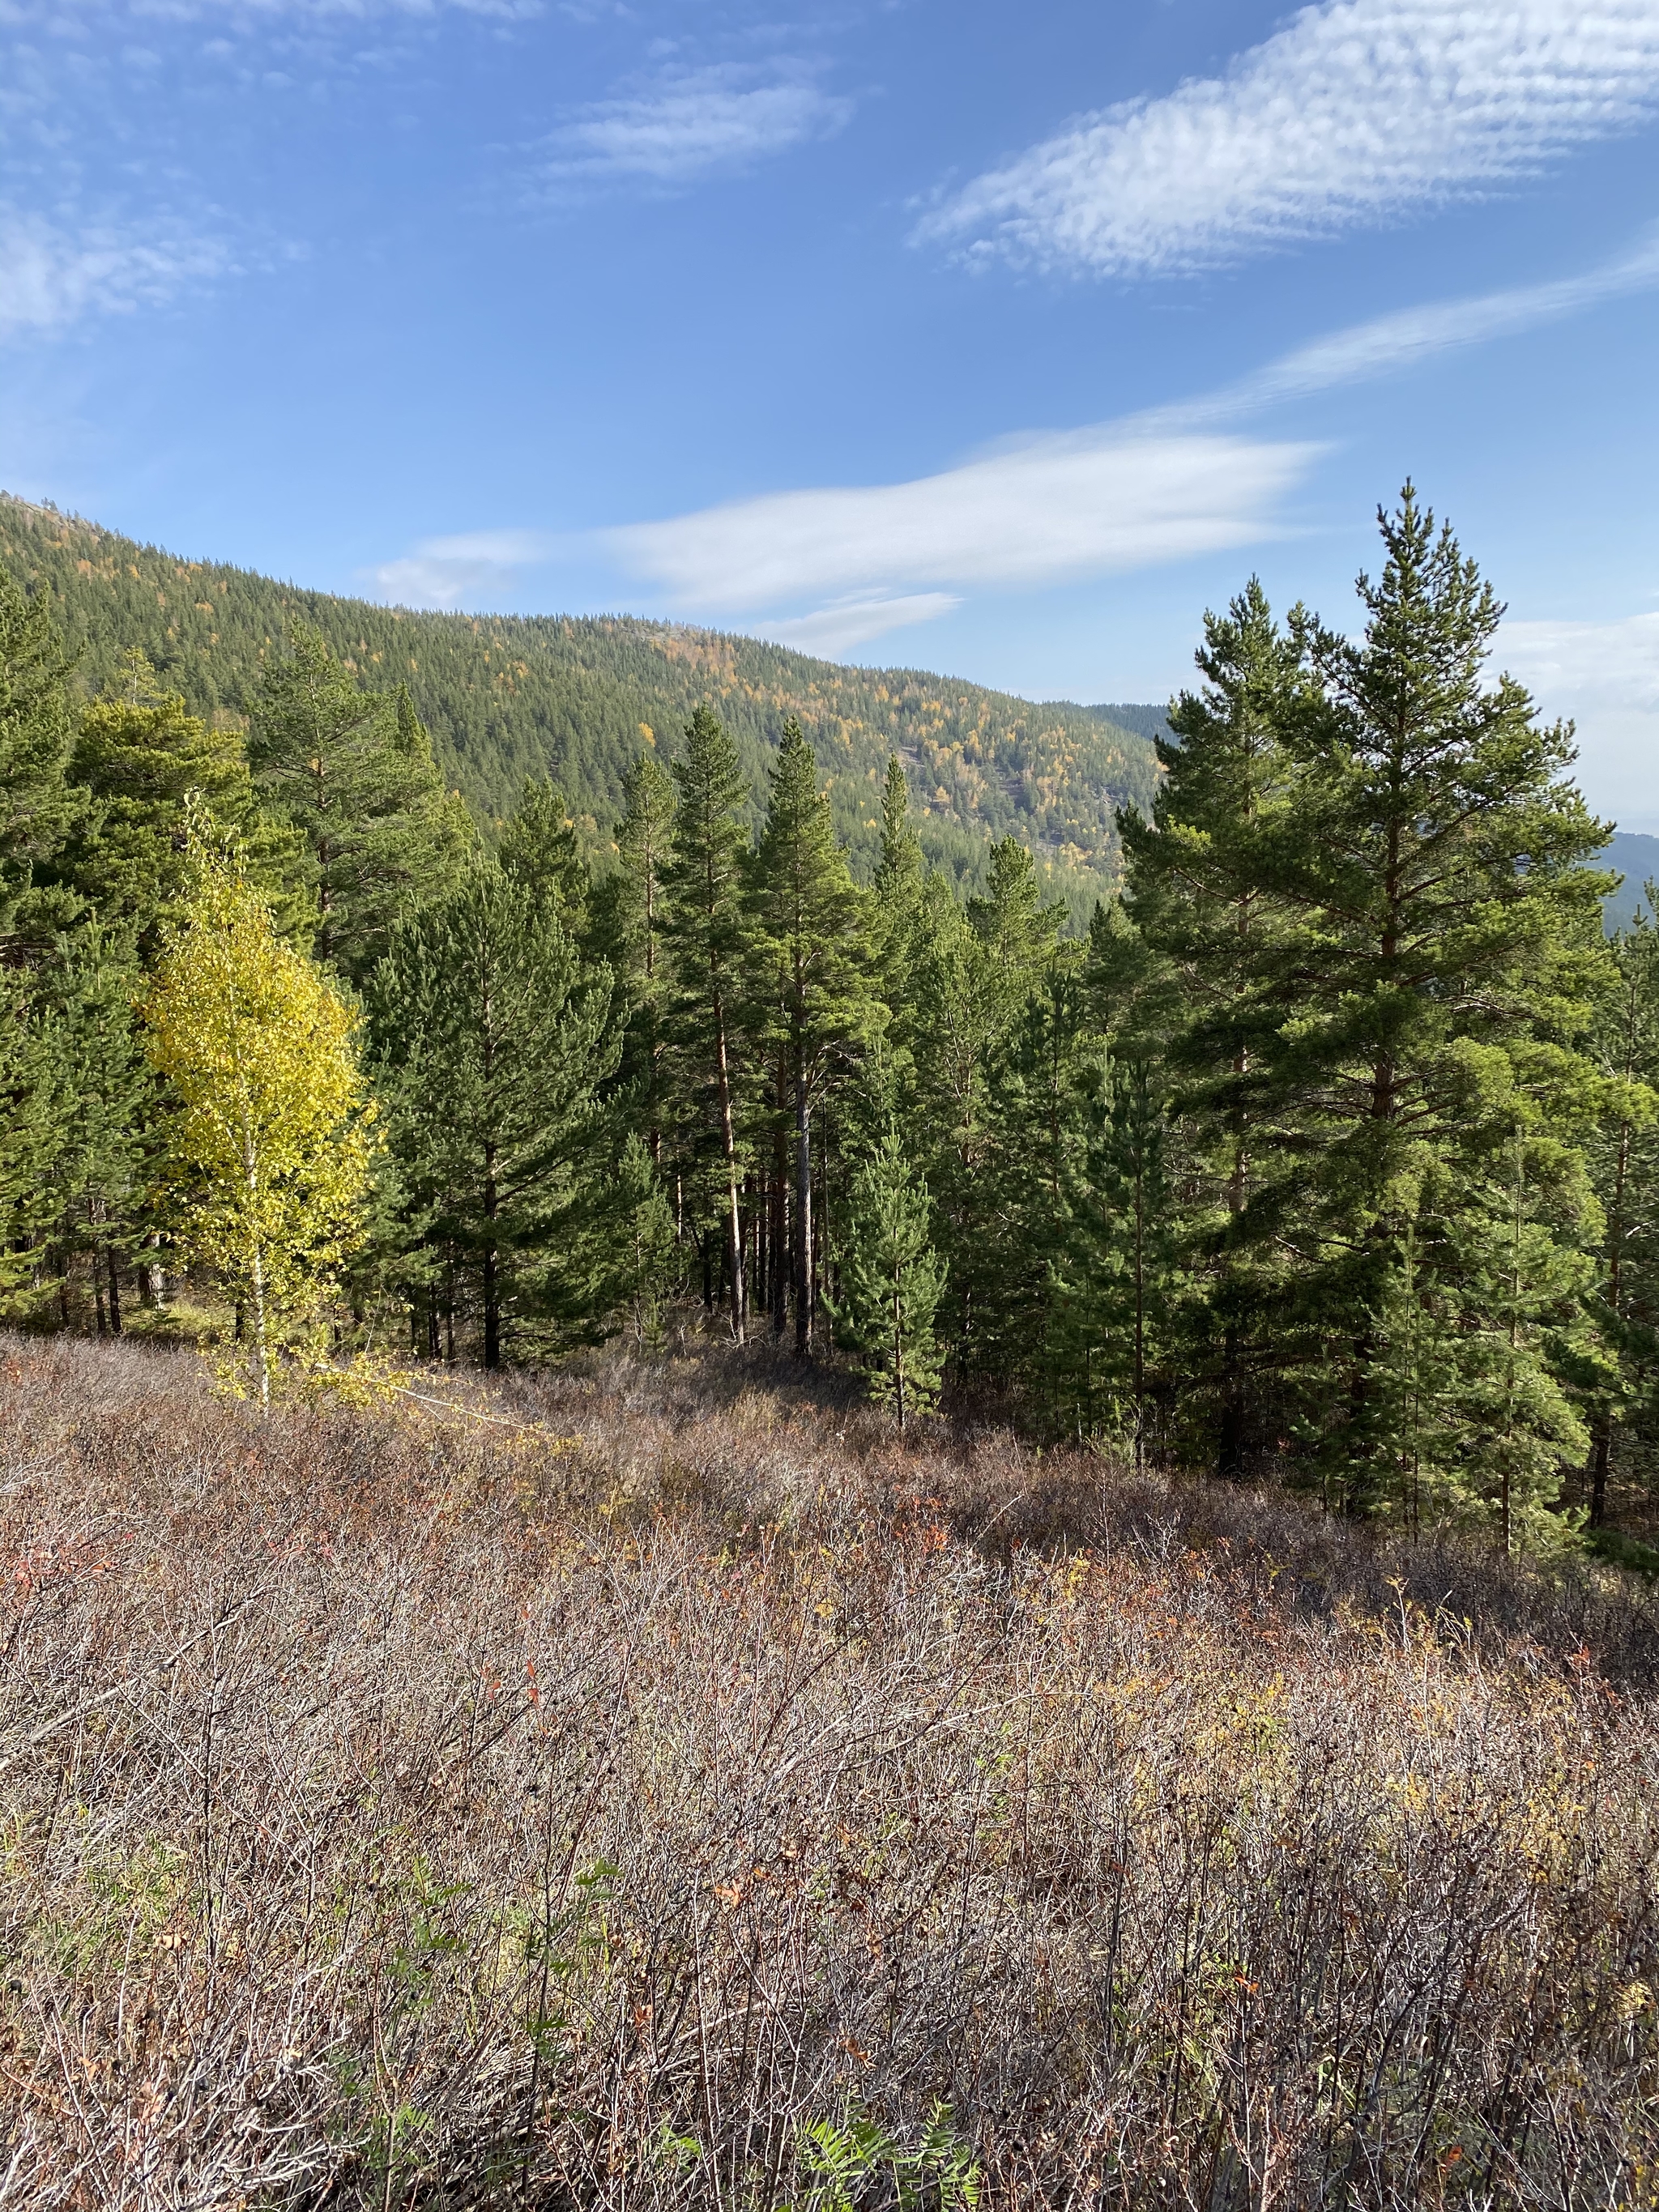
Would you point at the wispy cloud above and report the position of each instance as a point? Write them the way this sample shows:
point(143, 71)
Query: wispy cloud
point(828, 568)
point(442, 572)
point(51, 276)
point(1074, 503)
point(690, 122)
point(1417, 334)
point(1614, 663)
point(1356, 112)
point(851, 621)
point(1114, 496)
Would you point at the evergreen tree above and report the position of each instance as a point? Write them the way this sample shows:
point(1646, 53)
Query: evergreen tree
point(892, 1282)
point(1018, 929)
point(267, 1139)
point(1212, 966)
point(814, 941)
point(1622, 1387)
point(144, 764)
point(106, 1095)
point(539, 850)
point(1117, 1274)
point(628, 935)
point(1436, 855)
point(352, 772)
point(706, 927)
point(490, 1042)
point(32, 1119)
point(1014, 1210)
point(36, 808)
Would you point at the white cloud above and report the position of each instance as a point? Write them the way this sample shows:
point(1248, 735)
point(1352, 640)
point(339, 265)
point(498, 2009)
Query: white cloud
point(847, 623)
point(1415, 334)
point(1357, 111)
point(1617, 662)
point(1606, 677)
point(687, 123)
point(1074, 503)
point(1119, 496)
point(50, 277)
point(442, 572)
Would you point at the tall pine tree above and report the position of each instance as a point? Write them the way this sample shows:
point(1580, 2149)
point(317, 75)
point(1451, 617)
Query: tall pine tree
point(707, 927)
point(352, 772)
point(491, 1041)
point(813, 923)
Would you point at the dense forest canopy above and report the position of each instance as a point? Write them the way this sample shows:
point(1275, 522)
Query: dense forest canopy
point(509, 696)
point(1327, 1152)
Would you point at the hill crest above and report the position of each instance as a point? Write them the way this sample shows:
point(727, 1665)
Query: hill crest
point(507, 696)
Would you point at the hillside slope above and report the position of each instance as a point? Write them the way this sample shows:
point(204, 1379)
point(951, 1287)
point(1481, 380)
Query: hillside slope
point(507, 696)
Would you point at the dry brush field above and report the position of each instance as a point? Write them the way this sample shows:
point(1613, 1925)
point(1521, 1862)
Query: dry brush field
point(673, 1791)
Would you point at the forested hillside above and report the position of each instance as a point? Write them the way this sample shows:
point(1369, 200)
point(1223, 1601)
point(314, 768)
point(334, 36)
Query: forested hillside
point(506, 697)
point(1328, 1152)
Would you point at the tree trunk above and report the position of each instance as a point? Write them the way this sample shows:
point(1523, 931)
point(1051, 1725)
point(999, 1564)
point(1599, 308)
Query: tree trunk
point(114, 1273)
point(804, 1255)
point(261, 1350)
point(783, 1266)
point(1600, 1459)
point(492, 1308)
point(729, 1142)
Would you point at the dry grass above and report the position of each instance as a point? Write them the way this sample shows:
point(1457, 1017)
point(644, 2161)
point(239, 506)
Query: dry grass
point(402, 1810)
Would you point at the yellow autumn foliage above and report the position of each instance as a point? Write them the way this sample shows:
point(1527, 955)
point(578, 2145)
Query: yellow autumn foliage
point(268, 1144)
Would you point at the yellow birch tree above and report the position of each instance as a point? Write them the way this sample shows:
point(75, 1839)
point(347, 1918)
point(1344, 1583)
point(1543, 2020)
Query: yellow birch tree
point(267, 1147)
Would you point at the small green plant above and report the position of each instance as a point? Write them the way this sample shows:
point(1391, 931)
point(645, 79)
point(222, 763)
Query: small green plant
point(938, 2169)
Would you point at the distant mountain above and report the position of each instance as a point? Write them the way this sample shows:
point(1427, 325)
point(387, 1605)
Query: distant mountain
point(1637, 856)
point(508, 695)
point(1147, 720)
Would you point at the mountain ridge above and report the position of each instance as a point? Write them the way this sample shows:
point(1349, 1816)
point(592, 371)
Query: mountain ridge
point(574, 697)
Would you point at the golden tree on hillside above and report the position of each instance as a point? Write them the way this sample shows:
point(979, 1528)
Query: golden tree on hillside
point(268, 1146)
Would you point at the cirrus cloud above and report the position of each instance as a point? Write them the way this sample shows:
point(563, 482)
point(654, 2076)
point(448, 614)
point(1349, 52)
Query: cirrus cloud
point(694, 122)
point(52, 276)
point(442, 572)
point(1039, 511)
point(1358, 110)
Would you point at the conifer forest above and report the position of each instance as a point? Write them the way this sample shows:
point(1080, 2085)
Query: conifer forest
point(713, 1503)
point(1324, 1149)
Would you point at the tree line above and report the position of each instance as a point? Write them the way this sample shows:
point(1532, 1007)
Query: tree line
point(1328, 1152)
point(504, 696)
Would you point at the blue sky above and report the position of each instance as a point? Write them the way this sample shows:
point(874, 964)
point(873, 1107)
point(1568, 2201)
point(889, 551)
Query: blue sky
point(996, 339)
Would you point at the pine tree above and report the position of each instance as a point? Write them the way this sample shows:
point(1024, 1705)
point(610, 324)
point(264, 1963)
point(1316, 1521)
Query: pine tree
point(1115, 1274)
point(1017, 927)
point(706, 927)
point(628, 933)
point(539, 850)
point(899, 877)
point(1213, 958)
point(1622, 1385)
point(36, 807)
point(1014, 1211)
point(267, 1139)
point(1223, 952)
point(892, 1282)
point(32, 1118)
point(144, 764)
point(1435, 853)
point(813, 926)
point(352, 772)
point(490, 1042)
point(106, 1096)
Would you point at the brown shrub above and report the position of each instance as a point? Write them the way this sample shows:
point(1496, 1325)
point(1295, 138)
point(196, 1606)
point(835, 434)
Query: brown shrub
point(403, 1808)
